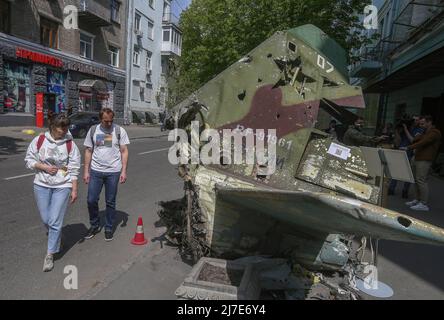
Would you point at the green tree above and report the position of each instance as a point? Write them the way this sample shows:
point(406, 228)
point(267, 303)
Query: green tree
point(216, 33)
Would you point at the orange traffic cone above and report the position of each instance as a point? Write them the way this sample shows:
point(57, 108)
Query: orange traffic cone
point(139, 237)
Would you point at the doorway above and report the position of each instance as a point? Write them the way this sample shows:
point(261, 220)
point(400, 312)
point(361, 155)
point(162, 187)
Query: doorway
point(49, 103)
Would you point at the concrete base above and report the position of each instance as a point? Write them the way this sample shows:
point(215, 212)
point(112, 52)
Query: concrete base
point(196, 286)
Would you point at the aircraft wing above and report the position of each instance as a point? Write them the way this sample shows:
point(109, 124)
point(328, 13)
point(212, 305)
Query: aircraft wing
point(332, 214)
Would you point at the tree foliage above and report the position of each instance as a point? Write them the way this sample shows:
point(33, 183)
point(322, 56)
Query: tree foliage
point(216, 33)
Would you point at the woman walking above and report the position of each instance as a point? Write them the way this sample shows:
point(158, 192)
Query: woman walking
point(56, 160)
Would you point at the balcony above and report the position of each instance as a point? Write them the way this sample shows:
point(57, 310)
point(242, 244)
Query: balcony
point(370, 63)
point(94, 13)
point(171, 48)
point(416, 20)
point(170, 18)
point(138, 33)
point(163, 81)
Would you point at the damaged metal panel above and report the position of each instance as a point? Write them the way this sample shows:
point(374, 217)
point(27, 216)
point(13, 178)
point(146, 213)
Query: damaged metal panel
point(347, 175)
point(317, 199)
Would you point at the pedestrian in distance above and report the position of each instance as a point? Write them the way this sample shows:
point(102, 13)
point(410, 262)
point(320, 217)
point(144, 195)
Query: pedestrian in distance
point(405, 132)
point(426, 148)
point(331, 130)
point(355, 137)
point(69, 110)
point(106, 160)
point(56, 160)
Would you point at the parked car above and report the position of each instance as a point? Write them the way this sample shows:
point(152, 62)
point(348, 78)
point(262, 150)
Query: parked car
point(151, 117)
point(138, 117)
point(81, 122)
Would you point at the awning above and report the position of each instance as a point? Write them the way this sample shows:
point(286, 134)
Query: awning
point(420, 70)
point(90, 84)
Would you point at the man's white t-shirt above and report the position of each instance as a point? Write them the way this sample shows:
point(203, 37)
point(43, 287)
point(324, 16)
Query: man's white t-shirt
point(106, 155)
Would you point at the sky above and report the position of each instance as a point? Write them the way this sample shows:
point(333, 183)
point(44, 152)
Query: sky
point(178, 5)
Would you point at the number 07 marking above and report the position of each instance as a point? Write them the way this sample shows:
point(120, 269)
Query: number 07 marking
point(322, 63)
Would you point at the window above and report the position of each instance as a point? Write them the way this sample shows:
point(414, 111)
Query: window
point(166, 11)
point(135, 92)
point(148, 92)
point(136, 57)
point(16, 93)
point(49, 33)
point(164, 65)
point(86, 46)
point(137, 22)
point(150, 30)
point(114, 56)
point(115, 11)
point(166, 35)
point(4, 16)
point(148, 60)
point(381, 26)
point(151, 2)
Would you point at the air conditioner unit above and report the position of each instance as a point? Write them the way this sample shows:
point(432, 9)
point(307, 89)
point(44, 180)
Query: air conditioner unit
point(139, 33)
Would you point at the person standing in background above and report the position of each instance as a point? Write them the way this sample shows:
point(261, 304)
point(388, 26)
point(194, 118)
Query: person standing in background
point(426, 147)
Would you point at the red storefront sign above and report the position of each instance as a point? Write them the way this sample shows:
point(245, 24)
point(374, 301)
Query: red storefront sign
point(38, 57)
point(39, 110)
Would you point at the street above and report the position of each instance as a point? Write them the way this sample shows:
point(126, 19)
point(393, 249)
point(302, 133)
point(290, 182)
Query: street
point(23, 241)
point(120, 270)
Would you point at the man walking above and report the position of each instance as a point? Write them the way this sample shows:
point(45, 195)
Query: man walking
point(106, 160)
point(426, 147)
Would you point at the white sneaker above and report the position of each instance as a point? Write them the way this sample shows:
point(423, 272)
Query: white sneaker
point(412, 203)
point(420, 207)
point(48, 264)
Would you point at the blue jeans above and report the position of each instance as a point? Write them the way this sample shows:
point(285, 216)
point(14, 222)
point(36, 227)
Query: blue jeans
point(52, 204)
point(96, 182)
point(394, 183)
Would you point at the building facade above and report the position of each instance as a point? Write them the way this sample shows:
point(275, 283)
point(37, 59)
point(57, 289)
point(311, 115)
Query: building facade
point(153, 37)
point(402, 73)
point(83, 67)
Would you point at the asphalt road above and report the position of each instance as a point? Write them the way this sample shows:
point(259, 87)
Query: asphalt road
point(23, 240)
point(119, 270)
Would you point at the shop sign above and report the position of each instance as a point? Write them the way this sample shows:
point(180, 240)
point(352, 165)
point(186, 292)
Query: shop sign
point(88, 69)
point(38, 57)
point(39, 110)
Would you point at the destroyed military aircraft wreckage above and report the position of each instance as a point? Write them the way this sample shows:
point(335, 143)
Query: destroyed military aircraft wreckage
point(315, 203)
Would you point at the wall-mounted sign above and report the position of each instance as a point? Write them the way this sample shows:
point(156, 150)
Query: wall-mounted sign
point(89, 69)
point(39, 109)
point(38, 57)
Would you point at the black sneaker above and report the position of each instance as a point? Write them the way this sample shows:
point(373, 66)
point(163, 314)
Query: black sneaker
point(92, 232)
point(108, 235)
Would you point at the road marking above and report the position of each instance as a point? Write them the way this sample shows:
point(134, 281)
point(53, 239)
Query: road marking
point(25, 175)
point(153, 151)
point(18, 177)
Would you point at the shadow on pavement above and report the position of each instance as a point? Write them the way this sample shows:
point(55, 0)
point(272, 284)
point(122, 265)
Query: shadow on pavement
point(10, 146)
point(120, 220)
point(171, 216)
point(72, 234)
point(425, 261)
